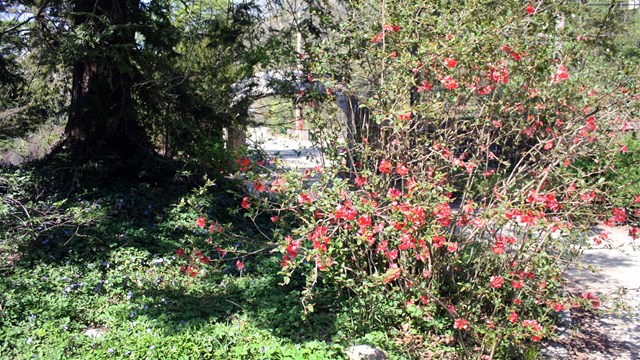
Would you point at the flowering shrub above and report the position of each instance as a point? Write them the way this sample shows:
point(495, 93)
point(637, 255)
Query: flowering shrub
point(471, 184)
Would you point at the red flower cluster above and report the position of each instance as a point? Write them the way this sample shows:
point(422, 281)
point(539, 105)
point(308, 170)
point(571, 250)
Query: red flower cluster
point(385, 167)
point(460, 324)
point(319, 238)
point(244, 163)
point(530, 217)
point(451, 63)
point(387, 28)
point(305, 198)
point(346, 212)
point(245, 203)
point(619, 215)
point(259, 186)
point(560, 75)
point(500, 242)
point(535, 327)
point(401, 170)
point(278, 185)
point(442, 212)
point(496, 282)
point(530, 9)
point(549, 200)
point(291, 251)
point(514, 55)
point(594, 299)
point(449, 82)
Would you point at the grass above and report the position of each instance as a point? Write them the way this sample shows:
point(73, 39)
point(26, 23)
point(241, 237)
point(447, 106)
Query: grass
point(85, 247)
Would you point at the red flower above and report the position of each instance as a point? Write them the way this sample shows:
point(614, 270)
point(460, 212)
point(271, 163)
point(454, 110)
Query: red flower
point(360, 181)
point(385, 167)
point(619, 215)
point(530, 9)
point(275, 218)
point(451, 63)
point(588, 196)
point(405, 116)
point(377, 38)
point(452, 247)
point(180, 252)
point(406, 242)
point(548, 145)
point(346, 211)
point(401, 170)
point(259, 186)
point(278, 185)
point(513, 317)
point(516, 284)
point(461, 324)
point(305, 199)
point(215, 227)
point(496, 282)
point(245, 203)
point(201, 222)
point(560, 75)
point(364, 221)
point(442, 212)
point(438, 241)
point(533, 324)
point(244, 163)
point(239, 265)
point(449, 82)
point(425, 86)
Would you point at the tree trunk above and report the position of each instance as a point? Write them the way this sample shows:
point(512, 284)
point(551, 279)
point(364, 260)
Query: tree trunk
point(103, 113)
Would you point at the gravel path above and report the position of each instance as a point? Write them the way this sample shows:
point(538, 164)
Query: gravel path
point(617, 276)
point(295, 149)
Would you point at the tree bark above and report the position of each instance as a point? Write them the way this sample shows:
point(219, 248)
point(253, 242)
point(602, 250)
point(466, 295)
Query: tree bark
point(103, 112)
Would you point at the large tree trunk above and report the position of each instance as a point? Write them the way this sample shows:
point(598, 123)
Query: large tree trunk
point(103, 113)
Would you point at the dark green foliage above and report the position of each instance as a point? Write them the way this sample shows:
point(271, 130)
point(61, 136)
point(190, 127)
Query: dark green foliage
point(94, 249)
